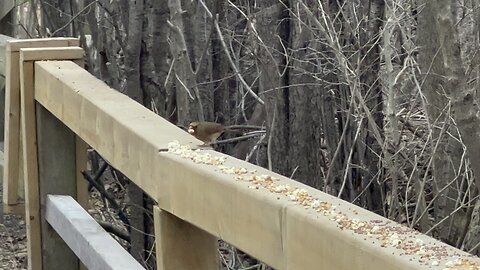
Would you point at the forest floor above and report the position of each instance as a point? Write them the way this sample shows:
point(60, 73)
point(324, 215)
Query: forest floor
point(13, 241)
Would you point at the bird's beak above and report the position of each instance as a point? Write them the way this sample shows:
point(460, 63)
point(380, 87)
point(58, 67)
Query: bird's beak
point(191, 130)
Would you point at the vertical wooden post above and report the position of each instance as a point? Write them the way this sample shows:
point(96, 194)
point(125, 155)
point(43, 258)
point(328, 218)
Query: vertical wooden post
point(180, 245)
point(32, 202)
point(12, 128)
point(3, 66)
point(81, 165)
point(81, 149)
point(52, 155)
point(57, 175)
point(13, 163)
point(81, 159)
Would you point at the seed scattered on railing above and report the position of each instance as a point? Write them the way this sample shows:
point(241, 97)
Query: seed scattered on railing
point(396, 236)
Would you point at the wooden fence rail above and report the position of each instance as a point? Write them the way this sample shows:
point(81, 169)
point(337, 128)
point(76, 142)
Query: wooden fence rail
point(201, 194)
point(88, 240)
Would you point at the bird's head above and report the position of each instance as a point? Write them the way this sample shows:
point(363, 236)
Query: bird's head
point(192, 127)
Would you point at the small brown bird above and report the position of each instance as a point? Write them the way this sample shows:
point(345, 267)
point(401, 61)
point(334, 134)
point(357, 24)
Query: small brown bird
point(207, 132)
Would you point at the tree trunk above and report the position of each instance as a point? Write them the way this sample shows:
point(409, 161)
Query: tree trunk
point(189, 103)
point(135, 91)
point(447, 152)
point(133, 50)
point(273, 81)
point(372, 93)
point(160, 57)
point(305, 99)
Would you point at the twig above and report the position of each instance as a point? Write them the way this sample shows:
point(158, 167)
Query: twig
point(450, 215)
point(255, 147)
point(347, 165)
point(239, 138)
point(73, 18)
point(234, 67)
point(270, 138)
point(108, 196)
point(207, 40)
point(468, 221)
point(116, 230)
point(294, 171)
point(184, 86)
point(251, 127)
point(334, 160)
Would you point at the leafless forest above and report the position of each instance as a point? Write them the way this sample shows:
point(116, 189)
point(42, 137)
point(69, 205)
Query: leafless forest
point(371, 101)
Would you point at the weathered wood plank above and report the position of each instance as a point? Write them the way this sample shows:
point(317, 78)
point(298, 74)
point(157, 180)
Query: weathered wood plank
point(12, 134)
point(81, 158)
point(88, 240)
point(50, 161)
point(12, 176)
point(3, 43)
point(81, 164)
point(261, 221)
point(32, 200)
point(18, 44)
point(56, 175)
point(52, 53)
point(180, 245)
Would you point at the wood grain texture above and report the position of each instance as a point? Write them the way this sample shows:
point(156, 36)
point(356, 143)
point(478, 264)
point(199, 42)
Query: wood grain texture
point(267, 225)
point(50, 162)
point(32, 200)
point(56, 148)
point(18, 44)
point(88, 240)
point(180, 245)
point(81, 165)
point(12, 175)
point(12, 135)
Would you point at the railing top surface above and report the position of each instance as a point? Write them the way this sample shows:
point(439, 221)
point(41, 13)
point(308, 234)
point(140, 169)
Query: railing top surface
point(283, 222)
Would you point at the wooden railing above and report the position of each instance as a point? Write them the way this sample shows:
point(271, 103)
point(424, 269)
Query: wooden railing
point(201, 195)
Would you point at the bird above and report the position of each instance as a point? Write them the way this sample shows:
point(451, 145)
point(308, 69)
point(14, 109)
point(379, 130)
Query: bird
point(207, 132)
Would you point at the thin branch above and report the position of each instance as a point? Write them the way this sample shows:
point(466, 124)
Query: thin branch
point(234, 67)
point(115, 230)
point(239, 138)
point(73, 18)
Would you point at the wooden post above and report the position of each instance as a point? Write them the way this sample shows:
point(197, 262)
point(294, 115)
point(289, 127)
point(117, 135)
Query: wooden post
point(13, 177)
point(52, 156)
point(81, 163)
point(180, 245)
point(56, 175)
point(32, 201)
point(12, 129)
point(81, 159)
point(3, 43)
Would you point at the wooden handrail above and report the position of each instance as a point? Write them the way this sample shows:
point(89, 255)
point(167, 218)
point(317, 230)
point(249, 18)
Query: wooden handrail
point(278, 220)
